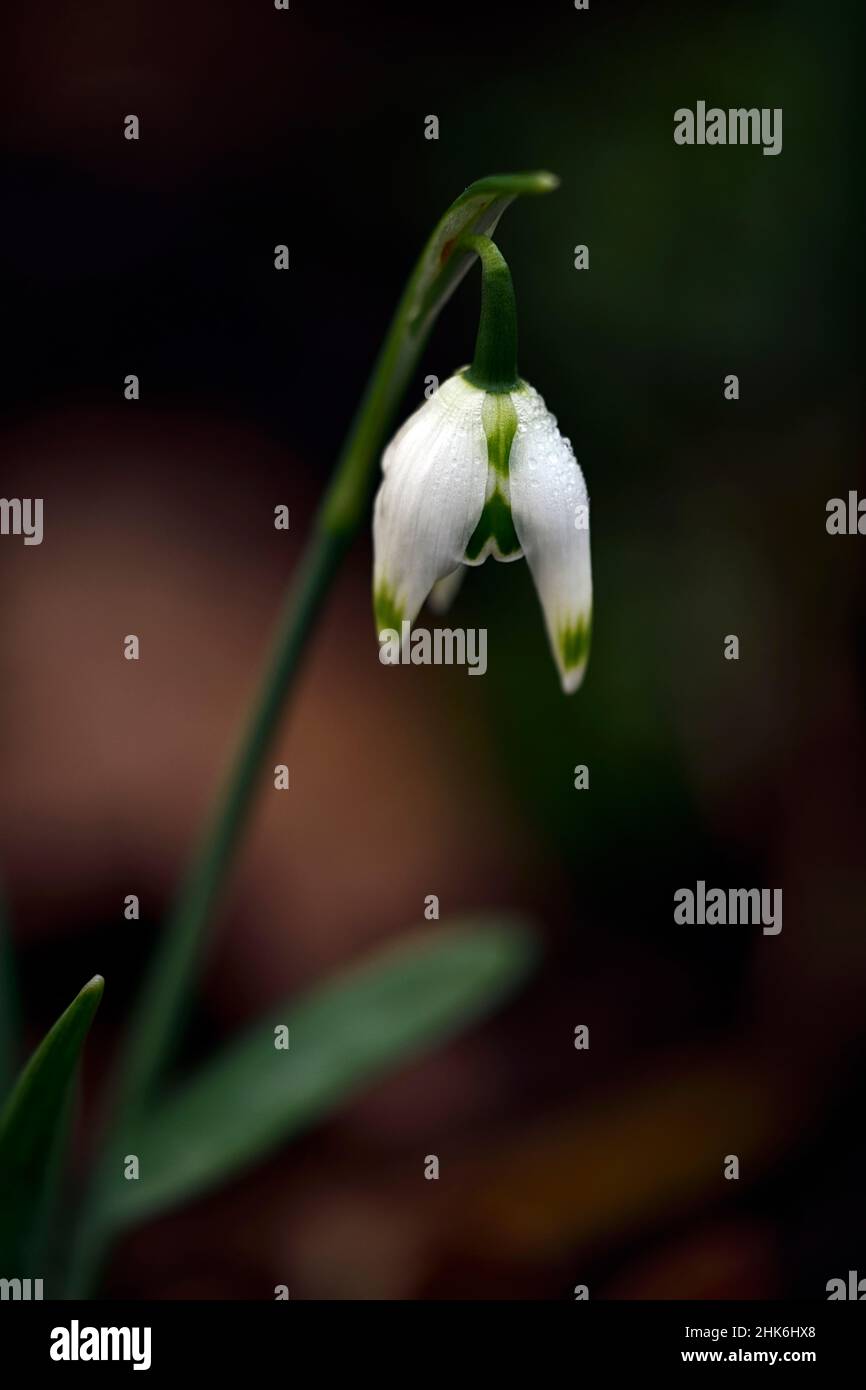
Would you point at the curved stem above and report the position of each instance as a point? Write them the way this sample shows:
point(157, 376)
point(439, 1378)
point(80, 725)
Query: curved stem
point(158, 1015)
point(494, 366)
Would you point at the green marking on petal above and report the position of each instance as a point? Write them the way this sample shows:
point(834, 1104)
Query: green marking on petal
point(499, 419)
point(387, 610)
point(495, 521)
point(573, 642)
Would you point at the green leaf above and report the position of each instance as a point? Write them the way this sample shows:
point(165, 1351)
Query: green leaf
point(439, 270)
point(344, 1035)
point(32, 1128)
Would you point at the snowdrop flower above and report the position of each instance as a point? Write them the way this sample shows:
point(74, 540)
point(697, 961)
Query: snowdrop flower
point(481, 469)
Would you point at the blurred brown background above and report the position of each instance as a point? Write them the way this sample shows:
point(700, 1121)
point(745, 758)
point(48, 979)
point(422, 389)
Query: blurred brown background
point(558, 1167)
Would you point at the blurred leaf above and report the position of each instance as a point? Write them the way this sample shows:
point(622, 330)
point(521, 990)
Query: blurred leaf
point(345, 1034)
point(32, 1128)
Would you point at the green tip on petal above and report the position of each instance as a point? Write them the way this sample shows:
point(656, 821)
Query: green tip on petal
point(572, 642)
point(386, 610)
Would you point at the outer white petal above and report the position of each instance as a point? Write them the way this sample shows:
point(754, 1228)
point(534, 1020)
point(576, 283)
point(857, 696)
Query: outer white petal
point(550, 509)
point(431, 496)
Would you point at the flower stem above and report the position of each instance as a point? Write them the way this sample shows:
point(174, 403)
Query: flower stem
point(159, 1012)
point(494, 366)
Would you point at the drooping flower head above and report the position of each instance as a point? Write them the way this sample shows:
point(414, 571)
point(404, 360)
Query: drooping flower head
point(481, 469)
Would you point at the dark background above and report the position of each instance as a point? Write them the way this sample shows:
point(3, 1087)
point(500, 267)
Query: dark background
point(261, 127)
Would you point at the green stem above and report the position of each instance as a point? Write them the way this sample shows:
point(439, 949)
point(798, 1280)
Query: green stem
point(494, 366)
point(157, 1018)
point(159, 1012)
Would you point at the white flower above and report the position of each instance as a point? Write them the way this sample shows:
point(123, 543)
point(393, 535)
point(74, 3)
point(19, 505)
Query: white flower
point(476, 473)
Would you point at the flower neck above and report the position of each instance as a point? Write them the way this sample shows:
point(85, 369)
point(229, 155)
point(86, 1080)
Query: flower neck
point(494, 366)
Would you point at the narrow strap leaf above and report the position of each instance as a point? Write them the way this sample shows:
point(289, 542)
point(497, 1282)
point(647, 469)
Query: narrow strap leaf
point(31, 1131)
point(298, 1066)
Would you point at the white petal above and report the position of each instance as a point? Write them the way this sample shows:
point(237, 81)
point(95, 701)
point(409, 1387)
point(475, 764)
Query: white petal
point(550, 508)
point(430, 499)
